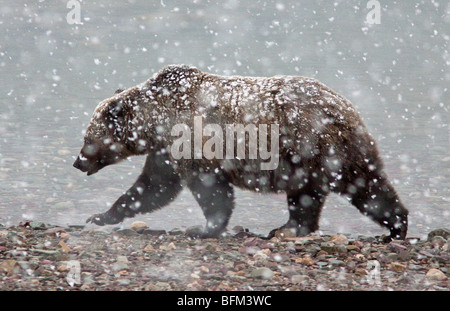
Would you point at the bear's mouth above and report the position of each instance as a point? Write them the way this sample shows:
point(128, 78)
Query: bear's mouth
point(92, 171)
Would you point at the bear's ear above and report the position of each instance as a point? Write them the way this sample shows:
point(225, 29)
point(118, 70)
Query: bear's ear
point(116, 111)
point(118, 91)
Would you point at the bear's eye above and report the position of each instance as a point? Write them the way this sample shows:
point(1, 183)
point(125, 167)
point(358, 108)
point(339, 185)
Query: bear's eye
point(116, 110)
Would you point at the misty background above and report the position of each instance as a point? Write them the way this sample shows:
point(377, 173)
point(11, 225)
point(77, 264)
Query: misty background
point(53, 74)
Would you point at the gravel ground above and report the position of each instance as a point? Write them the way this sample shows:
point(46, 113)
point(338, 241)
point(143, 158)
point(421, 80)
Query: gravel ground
point(35, 256)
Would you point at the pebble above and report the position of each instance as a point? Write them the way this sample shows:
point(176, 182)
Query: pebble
point(262, 273)
point(54, 231)
point(170, 262)
point(148, 248)
point(435, 275)
point(339, 239)
point(153, 232)
point(176, 231)
point(305, 261)
point(330, 248)
point(37, 225)
point(138, 226)
point(396, 248)
point(9, 267)
point(445, 233)
point(336, 263)
point(299, 279)
point(398, 267)
point(353, 248)
point(285, 233)
point(438, 241)
point(126, 232)
point(119, 266)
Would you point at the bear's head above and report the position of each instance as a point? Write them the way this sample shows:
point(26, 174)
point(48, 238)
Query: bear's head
point(106, 138)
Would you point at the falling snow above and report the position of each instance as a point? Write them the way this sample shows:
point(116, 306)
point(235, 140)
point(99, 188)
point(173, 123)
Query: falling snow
point(54, 74)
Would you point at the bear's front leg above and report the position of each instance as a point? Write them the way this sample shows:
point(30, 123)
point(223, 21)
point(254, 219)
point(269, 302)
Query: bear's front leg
point(156, 187)
point(215, 195)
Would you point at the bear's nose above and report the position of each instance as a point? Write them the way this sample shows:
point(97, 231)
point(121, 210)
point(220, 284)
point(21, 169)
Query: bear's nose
point(81, 165)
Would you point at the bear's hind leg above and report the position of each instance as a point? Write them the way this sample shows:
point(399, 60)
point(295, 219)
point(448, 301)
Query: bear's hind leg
point(215, 195)
point(378, 200)
point(156, 187)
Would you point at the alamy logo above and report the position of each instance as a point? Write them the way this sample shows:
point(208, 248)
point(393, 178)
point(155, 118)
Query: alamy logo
point(258, 144)
point(74, 275)
point(373, 276)
point(74, 15)
point(374, 15)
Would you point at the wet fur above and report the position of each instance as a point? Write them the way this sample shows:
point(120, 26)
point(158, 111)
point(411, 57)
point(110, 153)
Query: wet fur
point(324, 147)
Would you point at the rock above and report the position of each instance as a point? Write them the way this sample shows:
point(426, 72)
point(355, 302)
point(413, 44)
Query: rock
point(195, 276)
point(305, 261)
point(126, 232)
point(322, 264)
point(204, 269)
point(353, 248)
point(75, 226)
point(37, 225)
point(396, 248)
point(3, 233)
point(237, 229)
point(396, 266)
point(248, 250)
point(9, 267)
point(336, 263)
point(445, 233)
point(299, 279)
point(330, 248)
point(44, 251)
point(312, 249)
point(285, 233)
point(435, 275)
point(176, 231)
point(261, 255)
point(360, 271)
point(168, 247)
point(54, 231)
point(64, 235)
point(339, 239)
point(358, 244)
point(64, 246)
point(124, 282)
point(305, 240)
point(148, 248)
point(391, 257)
point(120, 264)
point(253, 242)
point(138, 226)
point(262, 273)
point(62, 268)
point(152, 232)
point(438, 241)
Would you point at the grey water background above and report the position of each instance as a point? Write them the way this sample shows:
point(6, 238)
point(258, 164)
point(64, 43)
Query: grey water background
point(53, 74)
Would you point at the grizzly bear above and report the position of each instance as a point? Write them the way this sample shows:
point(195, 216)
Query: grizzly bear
point(322, 145)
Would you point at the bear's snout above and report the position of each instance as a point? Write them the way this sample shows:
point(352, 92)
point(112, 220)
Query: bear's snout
point(84, 165)
point(79, 164)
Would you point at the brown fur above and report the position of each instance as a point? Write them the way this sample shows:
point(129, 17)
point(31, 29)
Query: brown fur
point(324, 147)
